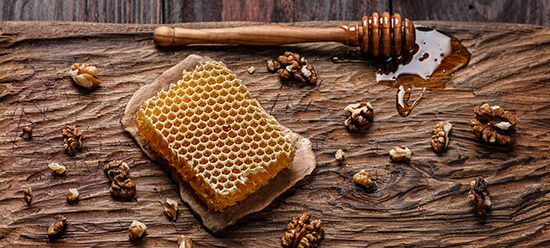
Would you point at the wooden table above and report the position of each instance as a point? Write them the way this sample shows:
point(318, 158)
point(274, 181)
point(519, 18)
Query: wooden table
point(423, 203)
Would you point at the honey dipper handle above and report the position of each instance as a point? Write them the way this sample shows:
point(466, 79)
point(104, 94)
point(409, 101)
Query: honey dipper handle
point(378, 35)
point(252, 35)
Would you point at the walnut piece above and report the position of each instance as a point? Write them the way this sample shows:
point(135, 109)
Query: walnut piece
point(72, 195)
point(26, 132)
point(493, 124)
point(28, 195)
point(57, 168)
point(251, 70)
point(185, 242)
point(171, 208)
point(121, 186)
point(136, 229)
point(57, 226)
point(72, 139)
point(440, 136)
point(272, 65)
point(339, 155)
point(362, 178)
point(360, 115)
point(400, 153)
point(84, 75)
point(479, 195)
point(303, 233)
point(292, 66)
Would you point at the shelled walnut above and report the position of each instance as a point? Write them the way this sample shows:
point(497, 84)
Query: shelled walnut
point(72, 195)
point(28, 195)
point(360, 116)
point(26, 132)
point(479, 195)
point(362, 178)
point(171, 208)
point(400, 153)
point(185, 242)
point(57, 168)
point(121, 185)
point(493, 124)
point(136, 230)
point(292, 66)
point(84, 75)
point(57, 226)
point(301, 232)
point(72, 139)
point(339, 155)
point(440, 136)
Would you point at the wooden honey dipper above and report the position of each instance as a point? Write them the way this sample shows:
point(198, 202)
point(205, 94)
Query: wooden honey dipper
point(378, 35)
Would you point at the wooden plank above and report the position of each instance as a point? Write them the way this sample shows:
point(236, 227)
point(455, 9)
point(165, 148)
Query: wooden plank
point(423, 203)
point(120, 11)
point(513, 11)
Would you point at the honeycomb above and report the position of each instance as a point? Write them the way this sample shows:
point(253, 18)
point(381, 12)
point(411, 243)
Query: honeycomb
point(216, 136)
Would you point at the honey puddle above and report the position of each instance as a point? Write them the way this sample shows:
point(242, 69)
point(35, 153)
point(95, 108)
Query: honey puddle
point(427, 68)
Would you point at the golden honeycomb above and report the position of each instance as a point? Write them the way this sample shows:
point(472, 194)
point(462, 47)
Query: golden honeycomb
point(216, 136)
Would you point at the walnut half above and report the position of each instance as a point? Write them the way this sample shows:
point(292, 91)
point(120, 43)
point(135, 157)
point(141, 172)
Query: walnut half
point(84, 75)
point(360, 115)
point(440, 136)
point(122, 185)
point(493, 124)
point(479, 195)
point(301, 232)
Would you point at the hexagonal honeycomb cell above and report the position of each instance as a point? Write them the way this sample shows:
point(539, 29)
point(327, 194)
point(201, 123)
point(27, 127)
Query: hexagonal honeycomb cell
point(216, 136)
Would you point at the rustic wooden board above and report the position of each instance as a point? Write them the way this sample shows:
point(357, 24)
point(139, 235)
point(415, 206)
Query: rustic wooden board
point(175, 11)
point(423, 203)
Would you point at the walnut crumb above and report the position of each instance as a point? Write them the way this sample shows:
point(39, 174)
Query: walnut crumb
point(72, 195)
point(26, 132)
point(136, 229)
point(251, 70)
point(57, 168)
point(440, 136)
point(84, 75)
point(72, 139)
point(493, 124)
point(28, 195)
point(185, 242)
point(171, 208)
point(57, 226)
point(301, 232)
point(339, 155)
point(479, 195)
point(399, 153)
point(121, 185)
point(362, 178)
point(360, 116)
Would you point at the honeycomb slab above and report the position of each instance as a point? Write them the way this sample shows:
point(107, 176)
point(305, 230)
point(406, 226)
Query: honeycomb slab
point(216, 136)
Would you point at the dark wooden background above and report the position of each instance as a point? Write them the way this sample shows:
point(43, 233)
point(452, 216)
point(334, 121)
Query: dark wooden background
point(177, 11)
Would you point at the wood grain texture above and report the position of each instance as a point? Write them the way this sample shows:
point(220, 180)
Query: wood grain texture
point(423, 203)
point(174, 11)
point(513, 11)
